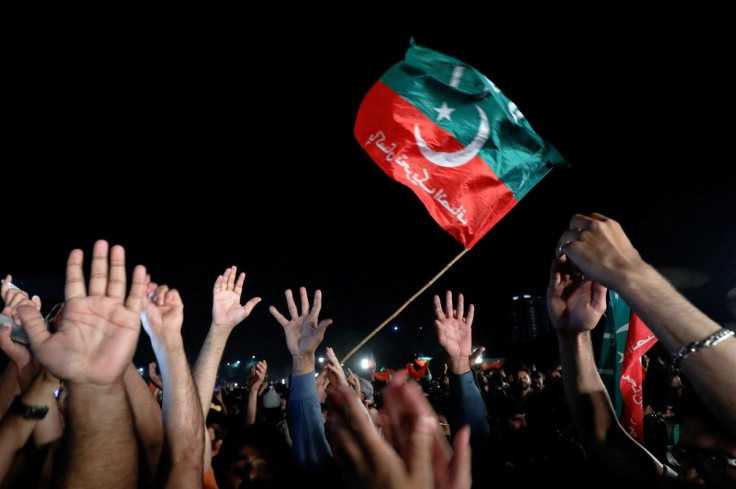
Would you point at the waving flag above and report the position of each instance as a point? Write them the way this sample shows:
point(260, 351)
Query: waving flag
point(443, 129)
point(625, 340)
point(638, 341)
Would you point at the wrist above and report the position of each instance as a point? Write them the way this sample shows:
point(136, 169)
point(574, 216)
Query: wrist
point(459, 365)
point(27, 411)
point(303, 364)
point(221, 327)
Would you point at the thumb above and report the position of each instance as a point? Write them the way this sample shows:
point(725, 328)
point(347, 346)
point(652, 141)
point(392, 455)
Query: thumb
point(35, 326)
point(419, 455)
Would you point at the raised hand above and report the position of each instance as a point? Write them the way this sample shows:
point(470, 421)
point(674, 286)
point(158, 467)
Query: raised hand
point(354, 382)
point(304, 331)
point(257, 376)
point(413, 454)
point(99, 330)
point(335, 373)
point(20, 354)
point(155, 379)
point(323, 382)
point(575, 305)
point(226, 295)
point(599, 247)
point(162, 314)
point(454, 331)
point(13, 297)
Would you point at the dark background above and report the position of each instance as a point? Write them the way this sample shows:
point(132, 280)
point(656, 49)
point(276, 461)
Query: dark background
point(207, 143)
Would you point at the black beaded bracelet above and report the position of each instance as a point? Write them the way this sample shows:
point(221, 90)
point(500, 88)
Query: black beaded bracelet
point(19, 408)
point(711, 340)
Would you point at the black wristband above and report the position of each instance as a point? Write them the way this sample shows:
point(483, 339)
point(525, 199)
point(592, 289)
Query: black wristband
point(19, 408)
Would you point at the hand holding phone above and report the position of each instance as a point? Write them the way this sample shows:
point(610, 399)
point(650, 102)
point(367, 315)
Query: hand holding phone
point(18, 333)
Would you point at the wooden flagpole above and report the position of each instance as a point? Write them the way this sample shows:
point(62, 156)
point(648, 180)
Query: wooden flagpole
point(388, 320)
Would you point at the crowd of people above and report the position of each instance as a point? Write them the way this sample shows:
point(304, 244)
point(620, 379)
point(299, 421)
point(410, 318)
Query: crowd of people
point(76, 413)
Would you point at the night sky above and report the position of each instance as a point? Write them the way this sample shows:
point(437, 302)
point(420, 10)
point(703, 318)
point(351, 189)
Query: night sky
point(198, 149)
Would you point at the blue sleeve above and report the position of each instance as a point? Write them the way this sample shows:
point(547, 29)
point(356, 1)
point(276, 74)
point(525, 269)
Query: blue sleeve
point(466, 406)
point(304, 416)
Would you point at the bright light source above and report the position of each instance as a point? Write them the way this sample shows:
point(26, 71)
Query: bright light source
point(515, 298)
point(479, 359)
point(527, 296)
point(396, 328)
point(365, 363)
point(253, 356)
point(140, 370)
point(235, 384)
point(321, 359)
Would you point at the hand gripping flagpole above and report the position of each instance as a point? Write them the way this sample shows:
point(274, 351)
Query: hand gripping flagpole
point(403, 306)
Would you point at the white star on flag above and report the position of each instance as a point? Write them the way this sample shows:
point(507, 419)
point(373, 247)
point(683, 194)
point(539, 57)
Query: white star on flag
point(444, 112)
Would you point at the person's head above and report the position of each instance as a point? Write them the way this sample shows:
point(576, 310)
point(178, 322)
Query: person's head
point(257, 457)
point(512, 415)
point(522, 379)
point(366, 389)
point(537, 380)
point(704, 453)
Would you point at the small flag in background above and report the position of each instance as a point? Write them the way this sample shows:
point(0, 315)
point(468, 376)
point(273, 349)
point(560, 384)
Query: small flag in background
point(443, 129)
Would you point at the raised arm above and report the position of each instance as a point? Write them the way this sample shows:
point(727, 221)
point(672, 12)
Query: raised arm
point(147, 422)
point(258, 375)
point(17, 427)
point(22, 369)
point(454, 332)
point(94, 344)
point(163, 315)
point(304, 332)
point(598, 246)
point(575, 306)
point(412, 454)
point(227, 312)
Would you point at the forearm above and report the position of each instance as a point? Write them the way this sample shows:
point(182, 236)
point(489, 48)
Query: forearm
point(49, 429)
point(103, 451)
point(9, 387)
point(593, 414)
point(15, 430)
point(182, 414)
point(208, 363)
point(250, 413)
point(304, 416)
point(466, 407)
point(677, 322)
point(146, 420)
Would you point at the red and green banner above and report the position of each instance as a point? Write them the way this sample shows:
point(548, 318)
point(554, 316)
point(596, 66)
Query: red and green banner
point(625, 340)
point(443, 129)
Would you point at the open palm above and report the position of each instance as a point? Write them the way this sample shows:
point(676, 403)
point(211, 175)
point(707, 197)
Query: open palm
point(226, 296)
point(99, 331)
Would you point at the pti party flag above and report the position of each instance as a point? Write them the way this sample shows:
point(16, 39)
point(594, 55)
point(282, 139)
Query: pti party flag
point(625, 339)
point(443, 129)
point(638, 341)
point(612, 347)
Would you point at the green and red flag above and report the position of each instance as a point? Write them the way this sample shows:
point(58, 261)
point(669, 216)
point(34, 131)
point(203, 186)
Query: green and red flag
point(490, 363)
point(443, 129)
point(625, 340)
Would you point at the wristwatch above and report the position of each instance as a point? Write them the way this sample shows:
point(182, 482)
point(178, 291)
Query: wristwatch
point(19, 408)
